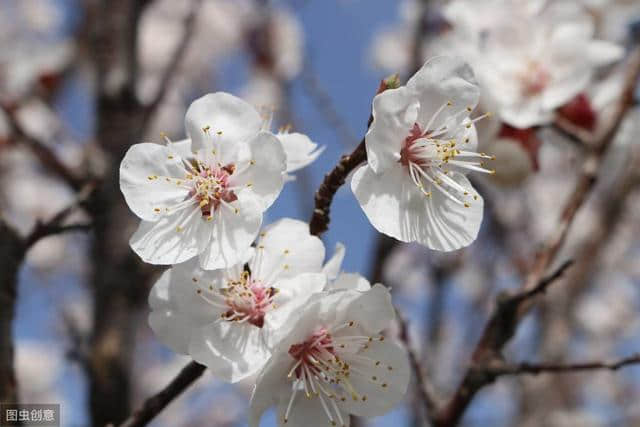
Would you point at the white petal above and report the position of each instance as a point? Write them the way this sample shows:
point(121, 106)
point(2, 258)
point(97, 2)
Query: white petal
point(261, 162)
point(232, 350)
point(271, 386)
point(601, 52)
point(379, 399)
point(308, 412)
point(177, 309)
point(143, 179)
point(182, 148)
point(172, 239)
point(394, 114)
point(444, 79)
point(372, 310)
point(301, 286)
point(221, 112)
point(334, 265)
point(293, 294)
point(350, 281)
point(232, 234)
point(286, 249)
point(396, 207)
point(299, 149)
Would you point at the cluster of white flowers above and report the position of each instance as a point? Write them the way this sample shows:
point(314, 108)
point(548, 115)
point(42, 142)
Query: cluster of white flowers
point(246, 302)
point(534, 60)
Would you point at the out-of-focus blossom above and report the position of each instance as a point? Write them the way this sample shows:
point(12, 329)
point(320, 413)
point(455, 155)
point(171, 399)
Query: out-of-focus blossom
point(34, 50)
point(530, 64)
point(287, 43)
point(37, 375)
point(204, 196)
point(420, 146)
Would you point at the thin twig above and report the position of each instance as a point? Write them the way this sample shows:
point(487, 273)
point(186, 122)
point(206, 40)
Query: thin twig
point(55, 224)
point(332, 182)
point(540, 368)
point(503, 323)
point(172, 66)
point(425, 390)
point(156, 403)
point(44, 153)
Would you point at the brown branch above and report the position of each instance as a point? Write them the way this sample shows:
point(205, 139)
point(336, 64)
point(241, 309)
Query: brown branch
point(47, 158)
point(332, 182)
point(503, 323)
point(425, 389)
point(575, 134)
point(12, 253)
point(499, 330)
point(173, 65)
point(156, 403)
point(55, 224)
point(535, 369)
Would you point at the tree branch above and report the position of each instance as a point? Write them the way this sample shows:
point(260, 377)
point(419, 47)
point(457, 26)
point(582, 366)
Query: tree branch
point(425, 389)
point(507, 315)
point(527, 368)
point(172, 66)
point(48, 159)
point(55, 224)
point(156, 403)
point(332, 182)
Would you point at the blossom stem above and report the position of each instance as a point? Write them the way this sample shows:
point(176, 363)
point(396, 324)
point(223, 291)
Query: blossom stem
point(332, 182)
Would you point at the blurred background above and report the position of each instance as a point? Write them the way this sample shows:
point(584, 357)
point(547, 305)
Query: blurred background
point(80, 81)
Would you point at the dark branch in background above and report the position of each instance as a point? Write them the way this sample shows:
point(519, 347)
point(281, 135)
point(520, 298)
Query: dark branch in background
point(500, 368)
point(503, 323)
point(56, 225)
point(13, 249)
point(156, 403)
point(11, 255)
point(45, 155)
point(425, 389)
point(173, 65)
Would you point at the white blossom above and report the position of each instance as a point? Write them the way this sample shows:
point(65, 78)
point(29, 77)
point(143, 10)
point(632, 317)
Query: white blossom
point(419, 147)
point(533, 59)
point(204, 196)
point(333, 352)
point(218, 316)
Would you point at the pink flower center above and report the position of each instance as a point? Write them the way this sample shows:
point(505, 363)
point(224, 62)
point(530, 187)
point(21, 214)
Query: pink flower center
point(314, 348)
point(535, 79)
point(248, 300)
point(211, 188)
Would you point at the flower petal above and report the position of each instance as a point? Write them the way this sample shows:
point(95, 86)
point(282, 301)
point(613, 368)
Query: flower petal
point(444, 79)
point(379, 399)
point(350, 281)
point(270, 387)
point(308, 412)
point(396, 207)
point(172, 239)
point(177, 309)
point(287, 249)
point(148, 175)
point(299, 149)
point(228, 118)
point(234, 229)
point(334, 265)
point(261, 163)
point(394, 112)
point(232, 350)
